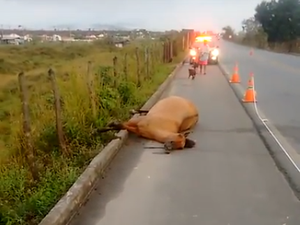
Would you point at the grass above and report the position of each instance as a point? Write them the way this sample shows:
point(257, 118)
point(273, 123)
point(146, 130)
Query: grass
point(26, 201)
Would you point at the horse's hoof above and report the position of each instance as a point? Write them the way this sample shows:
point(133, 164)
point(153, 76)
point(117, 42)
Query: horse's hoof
point(117, 136)
point(113, 124)
point(133, 112)
point(168, 146)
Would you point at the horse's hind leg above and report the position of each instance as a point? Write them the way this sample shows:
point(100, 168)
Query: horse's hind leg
point(130, 126)
point(139, 111)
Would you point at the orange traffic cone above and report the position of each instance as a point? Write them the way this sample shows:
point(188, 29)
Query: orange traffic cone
point(251, 80)
point(251, 52)
point(250, 94)
point(235, 78)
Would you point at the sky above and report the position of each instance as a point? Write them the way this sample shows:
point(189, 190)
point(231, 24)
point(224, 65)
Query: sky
point(151, 14)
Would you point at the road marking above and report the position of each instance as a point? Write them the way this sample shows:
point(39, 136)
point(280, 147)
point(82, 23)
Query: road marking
point(278, 64)
point(264, 121)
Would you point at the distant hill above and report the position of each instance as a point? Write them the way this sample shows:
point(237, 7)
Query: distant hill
point(64, 32)
point(96, 26)
point(108, 27)
point(111, 30)
point(80, 30)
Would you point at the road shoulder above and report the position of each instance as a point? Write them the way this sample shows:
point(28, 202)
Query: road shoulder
point(228, 178)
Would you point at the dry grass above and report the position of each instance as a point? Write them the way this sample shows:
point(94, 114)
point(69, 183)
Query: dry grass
point(23, 200)
point(292, 47)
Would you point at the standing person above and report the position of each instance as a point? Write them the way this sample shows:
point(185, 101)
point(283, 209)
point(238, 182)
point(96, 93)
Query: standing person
point(203, 57)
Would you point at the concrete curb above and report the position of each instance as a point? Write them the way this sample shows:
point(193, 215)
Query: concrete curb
point(285, 162)
point(68, 205)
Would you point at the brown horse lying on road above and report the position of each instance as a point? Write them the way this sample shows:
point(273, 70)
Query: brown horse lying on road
point(168, 122)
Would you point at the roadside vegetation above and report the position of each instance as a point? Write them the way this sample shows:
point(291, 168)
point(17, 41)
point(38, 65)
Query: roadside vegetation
point(49, 112)
point(275, 26)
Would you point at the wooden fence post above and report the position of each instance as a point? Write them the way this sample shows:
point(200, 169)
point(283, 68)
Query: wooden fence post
point(161, 52)
point(138, 67)
point(171, 51)
point(165, 50)
point(147, 62)
point(29, 151)
point(59, 125)
point(115, 61)
point(156, 53)
point(90, 84)
point(125, 66)
point(188, 41)
point(151, 61)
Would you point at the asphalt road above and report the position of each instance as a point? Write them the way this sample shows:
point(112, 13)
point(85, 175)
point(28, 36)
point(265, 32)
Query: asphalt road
point(277, 80)
point(229, 178)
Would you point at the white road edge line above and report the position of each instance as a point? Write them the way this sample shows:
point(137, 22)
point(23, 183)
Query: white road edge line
point(264, 120)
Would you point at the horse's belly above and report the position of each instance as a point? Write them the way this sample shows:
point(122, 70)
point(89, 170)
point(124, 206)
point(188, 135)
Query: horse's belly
point(188, 123)
point(153, 128)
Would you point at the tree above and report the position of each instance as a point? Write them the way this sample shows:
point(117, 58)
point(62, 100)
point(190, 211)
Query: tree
point(250, 25)
point(279, 19)
point(253, 33)
point(228, 32)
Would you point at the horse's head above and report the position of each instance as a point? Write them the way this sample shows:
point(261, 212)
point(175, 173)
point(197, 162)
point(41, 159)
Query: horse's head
point(178, 141)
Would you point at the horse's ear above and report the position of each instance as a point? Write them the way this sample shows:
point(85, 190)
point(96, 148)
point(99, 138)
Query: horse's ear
point(186, 133)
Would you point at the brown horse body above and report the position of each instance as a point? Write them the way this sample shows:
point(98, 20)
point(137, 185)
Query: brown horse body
point(167, 122)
